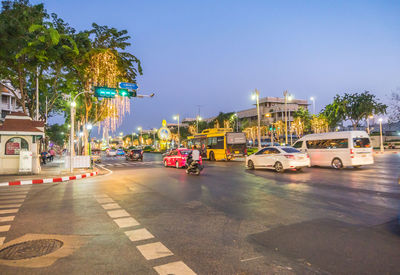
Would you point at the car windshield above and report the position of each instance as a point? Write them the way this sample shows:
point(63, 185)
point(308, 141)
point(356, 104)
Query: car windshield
point(361, 143)
point(185, 152)
point(290, 150)
point(137, 151)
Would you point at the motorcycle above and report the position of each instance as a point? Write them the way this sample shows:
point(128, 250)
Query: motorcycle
point(193, 166)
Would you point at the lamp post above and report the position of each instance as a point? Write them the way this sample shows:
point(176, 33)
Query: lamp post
point(154, 137)
point(140, 139)
point(380, 127)
point(198, 118)
point(256, 96)
point(179, 135)
point(368, 129)
point(89, 128)
point(313, 103)
point(288, 97)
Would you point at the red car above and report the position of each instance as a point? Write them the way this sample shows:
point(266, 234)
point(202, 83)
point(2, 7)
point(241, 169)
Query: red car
point(177, 158)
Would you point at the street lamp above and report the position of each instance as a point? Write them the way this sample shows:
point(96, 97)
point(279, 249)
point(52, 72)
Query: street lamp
point(154, 137)
point(313, 103)
point(140, 129)
point(380, 127)
point(256, 96)
point(369, 131)
point(198, 118)
point(288, 97)
point(89, 128)
point(179, 136)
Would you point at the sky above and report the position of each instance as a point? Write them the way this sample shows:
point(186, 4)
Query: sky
point(215, 53)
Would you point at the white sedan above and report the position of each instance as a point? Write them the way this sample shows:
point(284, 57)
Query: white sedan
point(279, 158)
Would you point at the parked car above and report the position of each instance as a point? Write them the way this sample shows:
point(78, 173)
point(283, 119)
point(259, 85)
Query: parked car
point(337, 149)
point(111, 153)
point(279, 158)
point(120, 152)
point(177, 158)
point(134, 154)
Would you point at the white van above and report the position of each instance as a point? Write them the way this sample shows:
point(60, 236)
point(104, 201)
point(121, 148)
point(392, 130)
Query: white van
point(337, 149)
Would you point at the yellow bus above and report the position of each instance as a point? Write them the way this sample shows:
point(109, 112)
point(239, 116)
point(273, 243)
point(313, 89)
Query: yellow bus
point(219, 144)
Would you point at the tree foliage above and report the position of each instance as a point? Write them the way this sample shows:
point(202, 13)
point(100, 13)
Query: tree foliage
point(353, 107)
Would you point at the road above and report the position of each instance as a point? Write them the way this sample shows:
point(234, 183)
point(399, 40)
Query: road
point(144, 218)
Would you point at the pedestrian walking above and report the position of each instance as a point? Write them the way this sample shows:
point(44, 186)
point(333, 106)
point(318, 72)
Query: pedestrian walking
point(52, 154)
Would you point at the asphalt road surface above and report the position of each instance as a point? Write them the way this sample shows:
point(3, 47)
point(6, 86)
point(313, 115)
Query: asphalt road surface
point(144, 218)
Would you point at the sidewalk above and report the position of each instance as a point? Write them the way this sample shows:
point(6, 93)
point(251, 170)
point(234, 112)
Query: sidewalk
point(54, 169)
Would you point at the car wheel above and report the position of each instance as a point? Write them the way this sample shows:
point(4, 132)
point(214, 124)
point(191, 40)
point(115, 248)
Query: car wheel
point(250, 164)
point(177, 165)
point(212, 156)
point(278, 167)
point(357, 166)
point(165, 163)
point(299, 169)
point(337, 163)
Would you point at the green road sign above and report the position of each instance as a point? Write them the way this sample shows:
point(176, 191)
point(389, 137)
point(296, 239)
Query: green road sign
point(107, 92)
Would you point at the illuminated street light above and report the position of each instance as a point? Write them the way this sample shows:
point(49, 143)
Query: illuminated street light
point(179, 136)
point(198, 118)
point(237, 121)
point(380, 127)
point(288, 97)
point(313, 103)
point(256, 96)
point(368, 130)
point(140, 140)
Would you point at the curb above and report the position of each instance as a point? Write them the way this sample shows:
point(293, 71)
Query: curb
point(50, 180)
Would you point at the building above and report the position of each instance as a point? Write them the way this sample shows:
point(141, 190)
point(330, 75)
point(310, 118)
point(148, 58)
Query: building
point(8, 102)
point(272, 109)
point(20, 133)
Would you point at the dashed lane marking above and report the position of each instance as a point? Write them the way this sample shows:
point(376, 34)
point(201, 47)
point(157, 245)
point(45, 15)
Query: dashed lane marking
point(9, 211)
point(14, 197)
point(126, 222)
point(153, 251)
point(110, 206)
point(4, 228)
point(139, 235)
point(11, 201)
point(10, 205)
point(174, 268)
point(104, 200)
point(7, 218)
point(118, 213)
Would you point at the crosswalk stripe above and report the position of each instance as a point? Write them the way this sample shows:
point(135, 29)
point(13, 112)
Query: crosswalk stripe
point(4, 228)
point(9, 211)
point(7, 218)
point(9, 205)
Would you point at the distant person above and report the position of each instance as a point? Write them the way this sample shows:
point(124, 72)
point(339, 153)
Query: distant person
point(43, 155)
point(52, 154)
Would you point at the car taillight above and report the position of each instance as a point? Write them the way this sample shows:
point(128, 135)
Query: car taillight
point(227, 152)
point(351, 153)
point(245, 151)
point(308, 156)
point(290, 156)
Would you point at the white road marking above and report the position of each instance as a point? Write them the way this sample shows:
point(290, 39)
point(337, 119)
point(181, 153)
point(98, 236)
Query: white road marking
point(139, 235)
point(154, 250)
point(7, 218)
point(176, 268)
point(101, 196)
point(5, 228)
point(8, 211)
point(13, 193)
point(10, 205)
point(11, 201)
point(109, 206)
point(126, 222)
point(104, 200)
point(2, 240)
point(118, 213)
point(250, 259)
point(13, 197)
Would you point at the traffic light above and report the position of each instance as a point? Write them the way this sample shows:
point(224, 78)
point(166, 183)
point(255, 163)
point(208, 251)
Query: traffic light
point(126, 92)
point(105, 92)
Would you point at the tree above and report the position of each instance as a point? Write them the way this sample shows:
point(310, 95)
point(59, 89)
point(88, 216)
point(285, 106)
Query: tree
point(57, 134)
point(353, 107)
point(319, 124)
point(303, 117)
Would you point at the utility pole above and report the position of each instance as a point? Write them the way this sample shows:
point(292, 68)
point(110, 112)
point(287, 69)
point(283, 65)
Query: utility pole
point(37, 93)
point(257, 97)
point(179, 135)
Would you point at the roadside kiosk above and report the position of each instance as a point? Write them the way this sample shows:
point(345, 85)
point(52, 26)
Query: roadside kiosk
point(19, 144)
